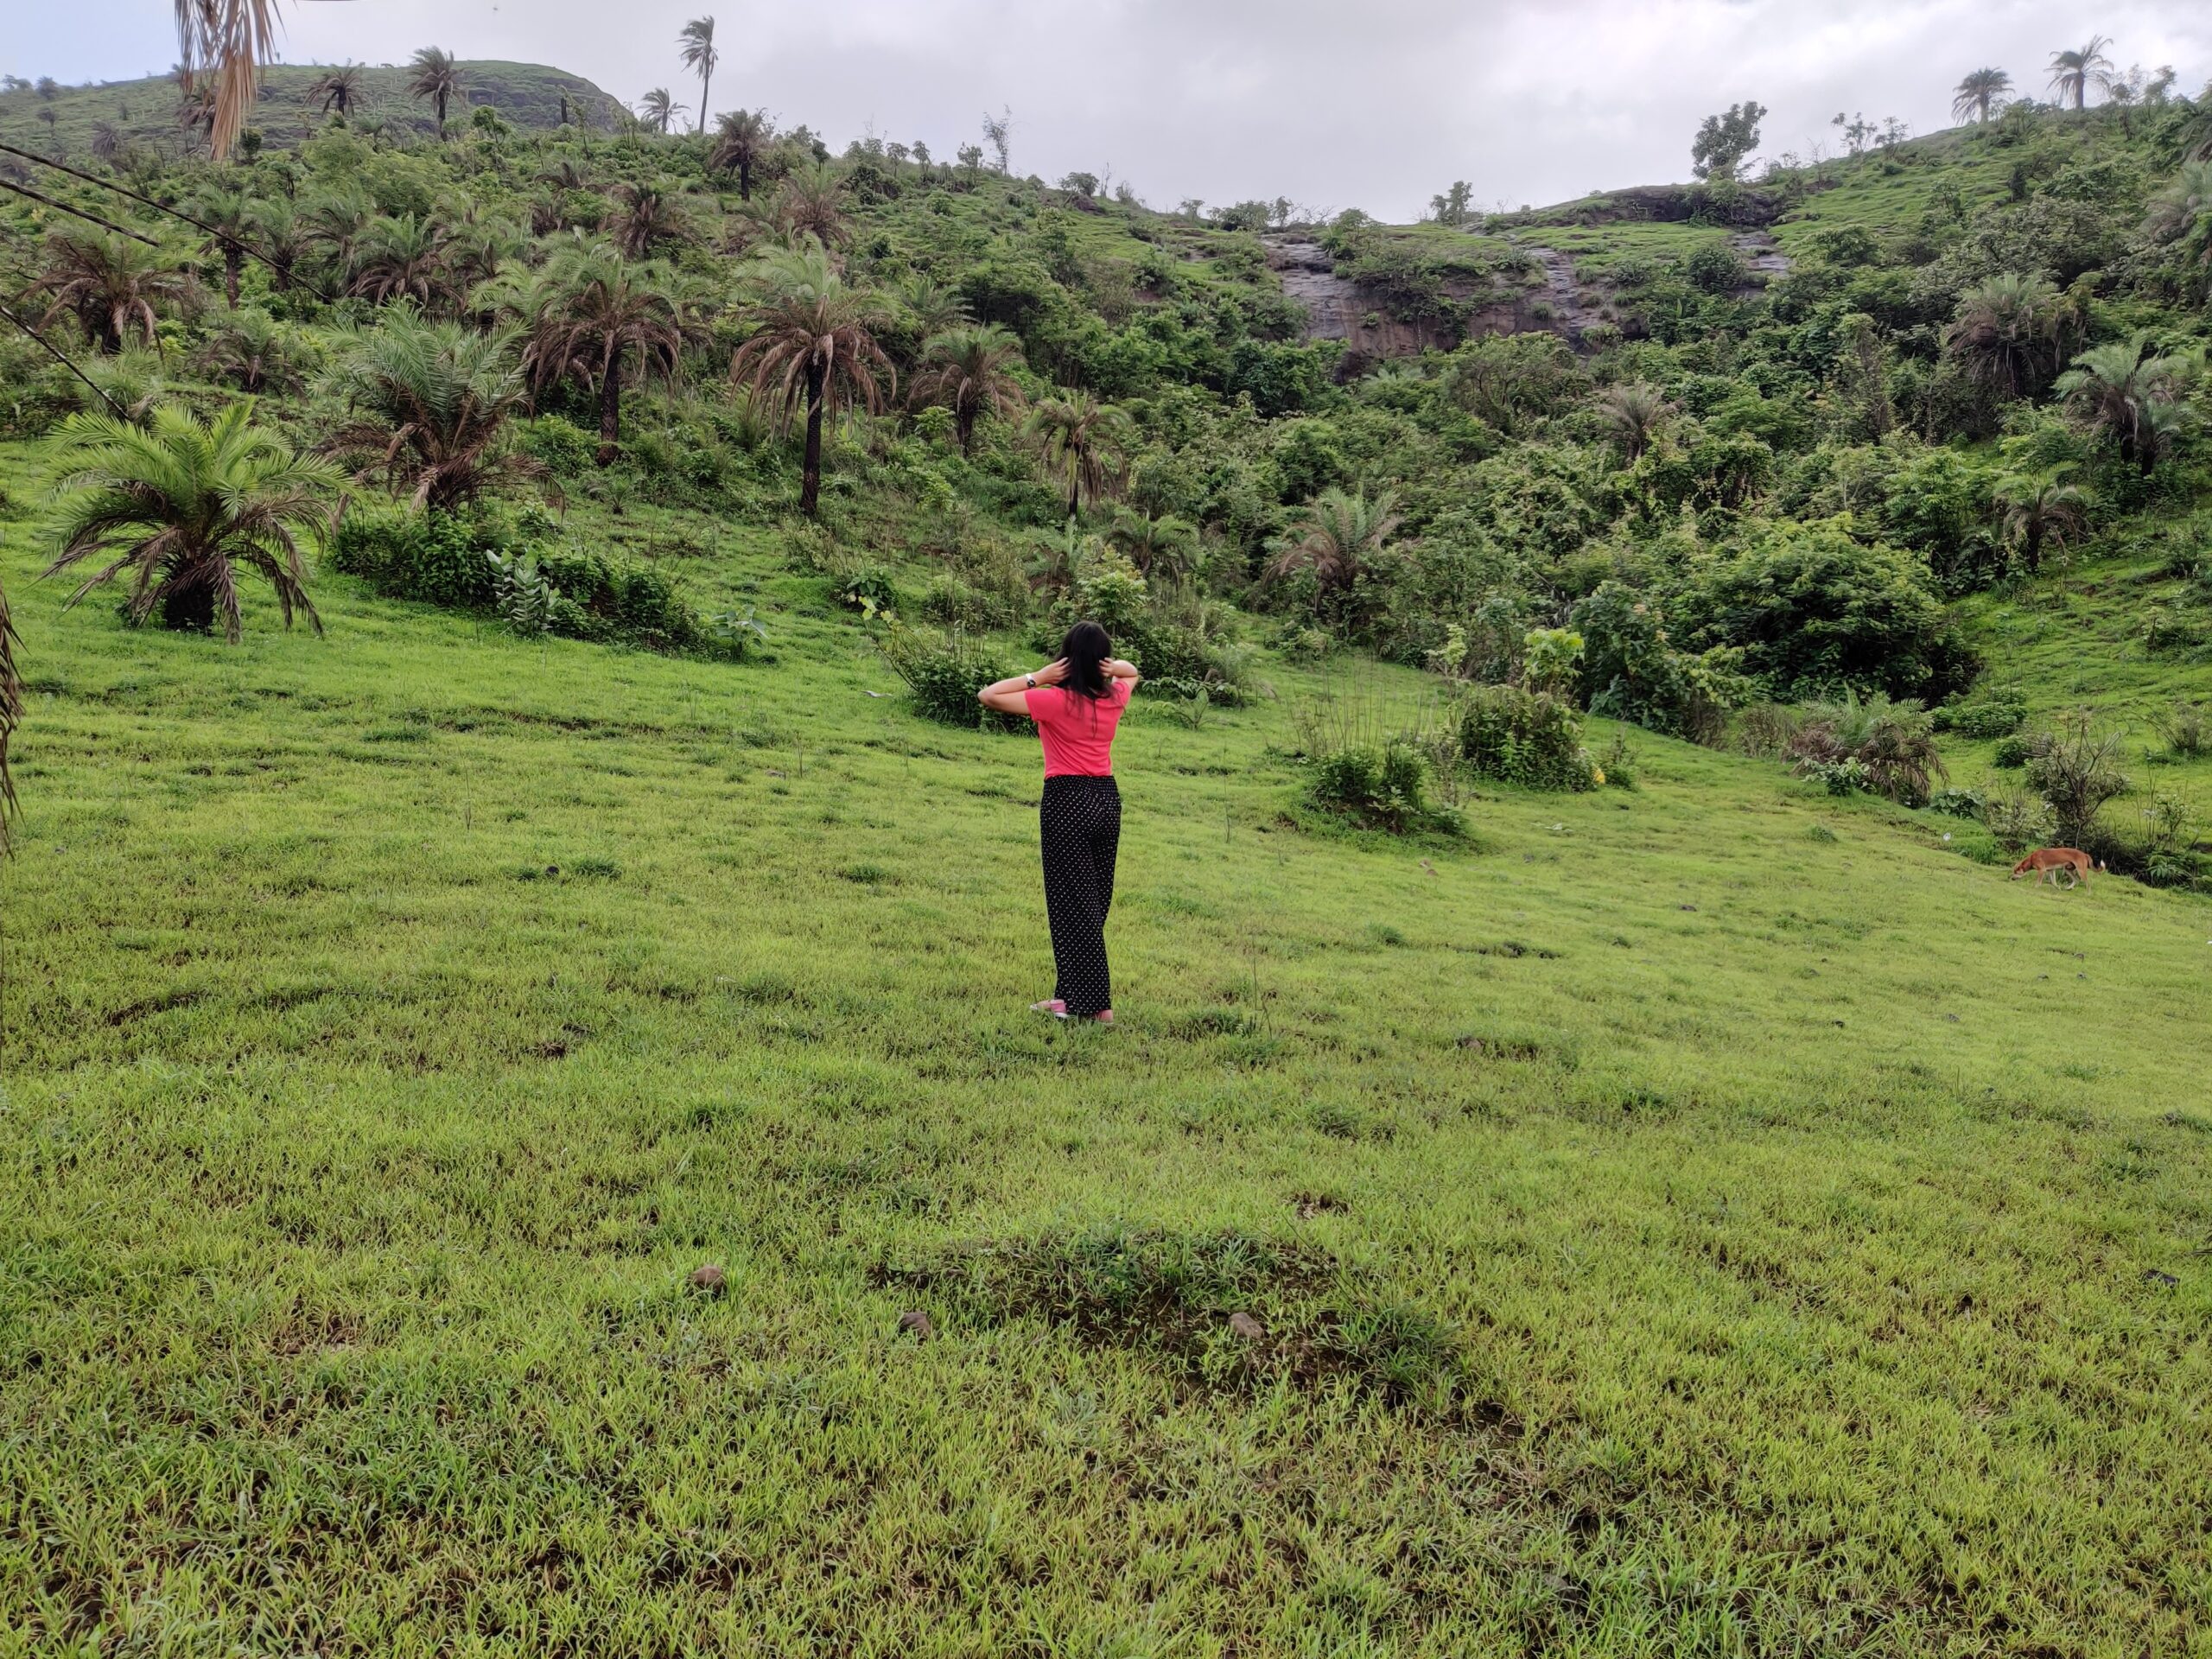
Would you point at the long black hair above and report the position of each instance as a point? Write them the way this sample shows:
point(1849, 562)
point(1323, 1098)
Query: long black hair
point(1086, 650)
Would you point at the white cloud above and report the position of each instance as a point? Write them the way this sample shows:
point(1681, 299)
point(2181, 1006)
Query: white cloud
point(1374, 103)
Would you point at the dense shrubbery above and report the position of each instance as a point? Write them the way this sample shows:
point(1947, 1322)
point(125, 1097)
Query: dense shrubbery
point(944, 673)
point(1517, 736)
point(1378, 786)
point(452, 560)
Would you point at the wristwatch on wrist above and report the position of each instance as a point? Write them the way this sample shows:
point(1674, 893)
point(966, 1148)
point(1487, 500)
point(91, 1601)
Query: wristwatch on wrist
point(1029, 680)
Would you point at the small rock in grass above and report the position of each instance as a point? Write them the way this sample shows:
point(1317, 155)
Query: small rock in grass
point(1247, 1327)
point(710, 1278)
point(915, 1320)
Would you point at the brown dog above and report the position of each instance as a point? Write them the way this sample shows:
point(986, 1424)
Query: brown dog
point(2046, 863)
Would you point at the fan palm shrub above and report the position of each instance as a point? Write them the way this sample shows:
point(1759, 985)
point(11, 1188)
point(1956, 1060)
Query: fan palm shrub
point(431, 404)
point(969, 372)
point(1335, 536)
point(742, 140)
point(182, 507)
point(2009, 334)
point(595, 319)
point(436, 77)
point(813, 347)
point(115, 287)
point(1083, 441)
point(2131, 393)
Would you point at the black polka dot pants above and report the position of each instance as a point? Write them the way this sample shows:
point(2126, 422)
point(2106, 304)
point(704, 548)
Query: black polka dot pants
point(1079, 824)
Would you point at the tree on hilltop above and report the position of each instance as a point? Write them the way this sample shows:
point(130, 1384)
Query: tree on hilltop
point(813, 346)
point(1726, 140)
point(436, 78)
point(1979, 94)
point(696, 38)
point(2072, 72)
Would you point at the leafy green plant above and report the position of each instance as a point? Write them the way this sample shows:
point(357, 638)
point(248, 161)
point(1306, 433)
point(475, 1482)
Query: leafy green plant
point(2076, 771)
point(521, 593)
point(943, 674)
point(1875, 744)
point(2016, 818)
point(2187, 728)
point(1382, 786)
point(1523, 737)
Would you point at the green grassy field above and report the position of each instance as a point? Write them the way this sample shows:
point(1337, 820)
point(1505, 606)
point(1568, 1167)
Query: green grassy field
point(1706, 1218)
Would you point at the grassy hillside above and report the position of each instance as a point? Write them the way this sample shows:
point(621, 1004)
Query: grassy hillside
point(1644, 1202)
point(144, 112)
point(1711, 1213)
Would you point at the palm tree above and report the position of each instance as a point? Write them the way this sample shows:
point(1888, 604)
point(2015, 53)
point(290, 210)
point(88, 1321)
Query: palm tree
point(339, 89)
point(1083, 440)
point(431, 402)
point(283, 236)
point(936, 308)
point(1979, 93)
point(813, 343)
point(2040, 508)
point(199, 107)
point(404, 258)
point(438, 77)
point(741, 138)
point(184, 507)
point(1060, 554)
point(339, 220)
point(1162, 547)
point(1633, 416)
point(2181, 214)
point(590, 316)
point(808, 206)
point(2129, 393)
point(229, 215)
point(2072, 72)
point(697, 40)
point(227, 41)
point(107, 141)
point(2009, 334)
point(648, 215)
point(113, 286)
point(657, 109)
point(1334, 536)
point(968, 372)
point(252, 353)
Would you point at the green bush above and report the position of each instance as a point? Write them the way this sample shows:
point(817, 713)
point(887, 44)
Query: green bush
point(1997, 713)
point(1380, 786)
point(1526, 738)
point(943, 674)
point(454, 560)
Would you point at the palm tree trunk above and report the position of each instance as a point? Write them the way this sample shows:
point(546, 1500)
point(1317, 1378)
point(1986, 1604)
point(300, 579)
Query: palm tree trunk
point(231, 260)
point(610, 411)
point(745, 181)
point(810, 492)
point(963, 424)
point(706, 79)
point(190, 610)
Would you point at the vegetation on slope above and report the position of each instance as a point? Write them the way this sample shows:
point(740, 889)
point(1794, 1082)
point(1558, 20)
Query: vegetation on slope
point(1701, 1215)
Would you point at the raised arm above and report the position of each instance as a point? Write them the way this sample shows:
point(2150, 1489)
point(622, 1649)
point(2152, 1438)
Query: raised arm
point(1116, 669)
point(1012, 697)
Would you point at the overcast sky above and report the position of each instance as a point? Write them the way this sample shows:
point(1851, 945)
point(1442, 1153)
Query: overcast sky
point(1375, 103)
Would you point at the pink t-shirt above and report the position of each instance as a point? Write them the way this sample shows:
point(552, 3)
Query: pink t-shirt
point(1077, 732)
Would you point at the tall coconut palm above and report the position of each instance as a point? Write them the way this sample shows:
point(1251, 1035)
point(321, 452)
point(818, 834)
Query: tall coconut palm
point(431, 404)
point(741, 138)
point(697, 40)
point(338, 91)
point(592, 318)
point(229, 215)
point(2071, 72)
point(1979, 94)
point(404, 258)
point(185, 506)
point(657, 109)
point(1633, 416)
point(1335, 536)
point(222, 45)
point(2010, 334)
point(1082, 440)
point(115, 287)
point(2129, 393)
point(969, 372)
point(813, 344)
point(808, 205)
point(646, 215)
point(438, 77)
point(2041, 509)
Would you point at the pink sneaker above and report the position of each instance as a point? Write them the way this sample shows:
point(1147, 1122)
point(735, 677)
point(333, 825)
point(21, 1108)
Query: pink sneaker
point(1054, 1007)
point(1103, 1017)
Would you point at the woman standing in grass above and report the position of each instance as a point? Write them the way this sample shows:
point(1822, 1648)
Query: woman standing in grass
point(1076, 703)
